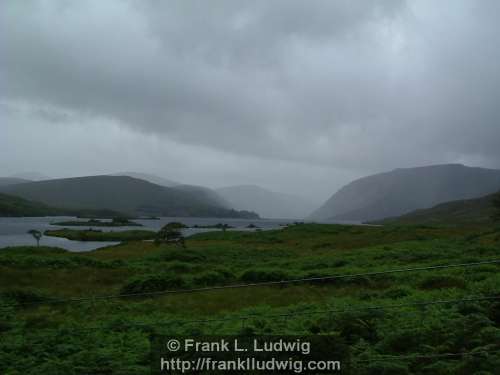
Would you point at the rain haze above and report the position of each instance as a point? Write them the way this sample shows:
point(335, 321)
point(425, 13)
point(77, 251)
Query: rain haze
point(298, 97)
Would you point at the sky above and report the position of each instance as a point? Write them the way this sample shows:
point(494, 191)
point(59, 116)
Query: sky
point(295, 96)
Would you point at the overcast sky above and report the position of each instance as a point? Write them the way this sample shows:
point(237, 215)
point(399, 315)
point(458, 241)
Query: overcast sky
point(295, 96)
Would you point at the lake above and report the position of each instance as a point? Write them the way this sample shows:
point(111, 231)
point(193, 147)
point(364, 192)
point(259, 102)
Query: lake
point(13, 230)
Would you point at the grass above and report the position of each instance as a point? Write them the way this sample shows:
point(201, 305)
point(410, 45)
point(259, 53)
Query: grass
point(226, 258)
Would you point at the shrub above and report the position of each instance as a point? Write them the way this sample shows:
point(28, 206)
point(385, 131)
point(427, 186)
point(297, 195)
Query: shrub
point(182, 256)
point(153, 283)
point(259, 275)
point(314, 266)
point(358, 325)
point(340, 263)
point(23, 296)
point(181, 267)
point(442, 281)
point(397, 292)
point(387, 368)
point(216, 277)
point(324, 245)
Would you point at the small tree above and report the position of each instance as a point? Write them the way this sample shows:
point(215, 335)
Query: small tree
point(223, 227)
point(170, 233)
point(37, 235)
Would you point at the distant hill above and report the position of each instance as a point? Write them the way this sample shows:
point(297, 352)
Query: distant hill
point(470, 211)
point(31, 176)
point(12, 206)
point(15, 206)
point(208, 195)
point(404, 190)
point(4, 181)
point(120, 193)
point(266, 203)
point(149, 177)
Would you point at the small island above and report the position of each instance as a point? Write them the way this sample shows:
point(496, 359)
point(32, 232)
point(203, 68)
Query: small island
point(115, 222)
point(98, 235)
point(216, 226)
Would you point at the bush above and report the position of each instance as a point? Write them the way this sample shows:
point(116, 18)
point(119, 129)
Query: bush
point(216, 277)
point(181, 267)
point(340, 263)
point(23, 296)
point(182, 256)
point(153, 283)
point(397, 292)
point(442, 281)
point(260, 275)
point(387, 368)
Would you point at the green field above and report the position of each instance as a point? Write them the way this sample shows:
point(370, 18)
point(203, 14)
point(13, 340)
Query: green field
point(424, 317)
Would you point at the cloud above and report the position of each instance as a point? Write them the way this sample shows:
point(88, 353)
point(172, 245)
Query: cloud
point(335, 85)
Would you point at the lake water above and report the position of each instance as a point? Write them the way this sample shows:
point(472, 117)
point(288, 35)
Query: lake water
point(13, 230)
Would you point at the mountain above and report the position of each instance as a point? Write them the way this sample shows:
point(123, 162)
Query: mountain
point(5, 181)
point(31, 176)
point(15, 206)
point(469, 211)
point(266, 203)
point(11, 206)
point(404, 190)
point(205, 193)
point(120, 193)
point(148, 177)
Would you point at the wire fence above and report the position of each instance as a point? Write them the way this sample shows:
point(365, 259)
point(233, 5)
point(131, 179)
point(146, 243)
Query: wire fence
point(248, 317)
point(248, 285)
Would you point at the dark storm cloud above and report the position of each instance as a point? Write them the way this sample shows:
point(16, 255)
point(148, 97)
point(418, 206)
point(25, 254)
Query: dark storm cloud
point(366, 85)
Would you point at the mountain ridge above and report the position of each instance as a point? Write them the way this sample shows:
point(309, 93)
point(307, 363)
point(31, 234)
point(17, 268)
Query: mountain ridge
point(121, 193)
point(208, 194)
point(5, 181)
point(403, 190)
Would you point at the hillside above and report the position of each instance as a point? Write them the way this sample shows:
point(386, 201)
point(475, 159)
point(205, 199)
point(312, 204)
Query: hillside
point(469, 211)
point(120, 193)
point(31, 176)
point(404, 190)
point(266, 203)
point(208, 195)
point(148, 177)
point(12, 206)
point(5, 181)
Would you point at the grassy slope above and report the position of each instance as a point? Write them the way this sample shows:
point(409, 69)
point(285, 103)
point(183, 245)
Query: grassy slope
point(51, 331)
point(470, 211)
